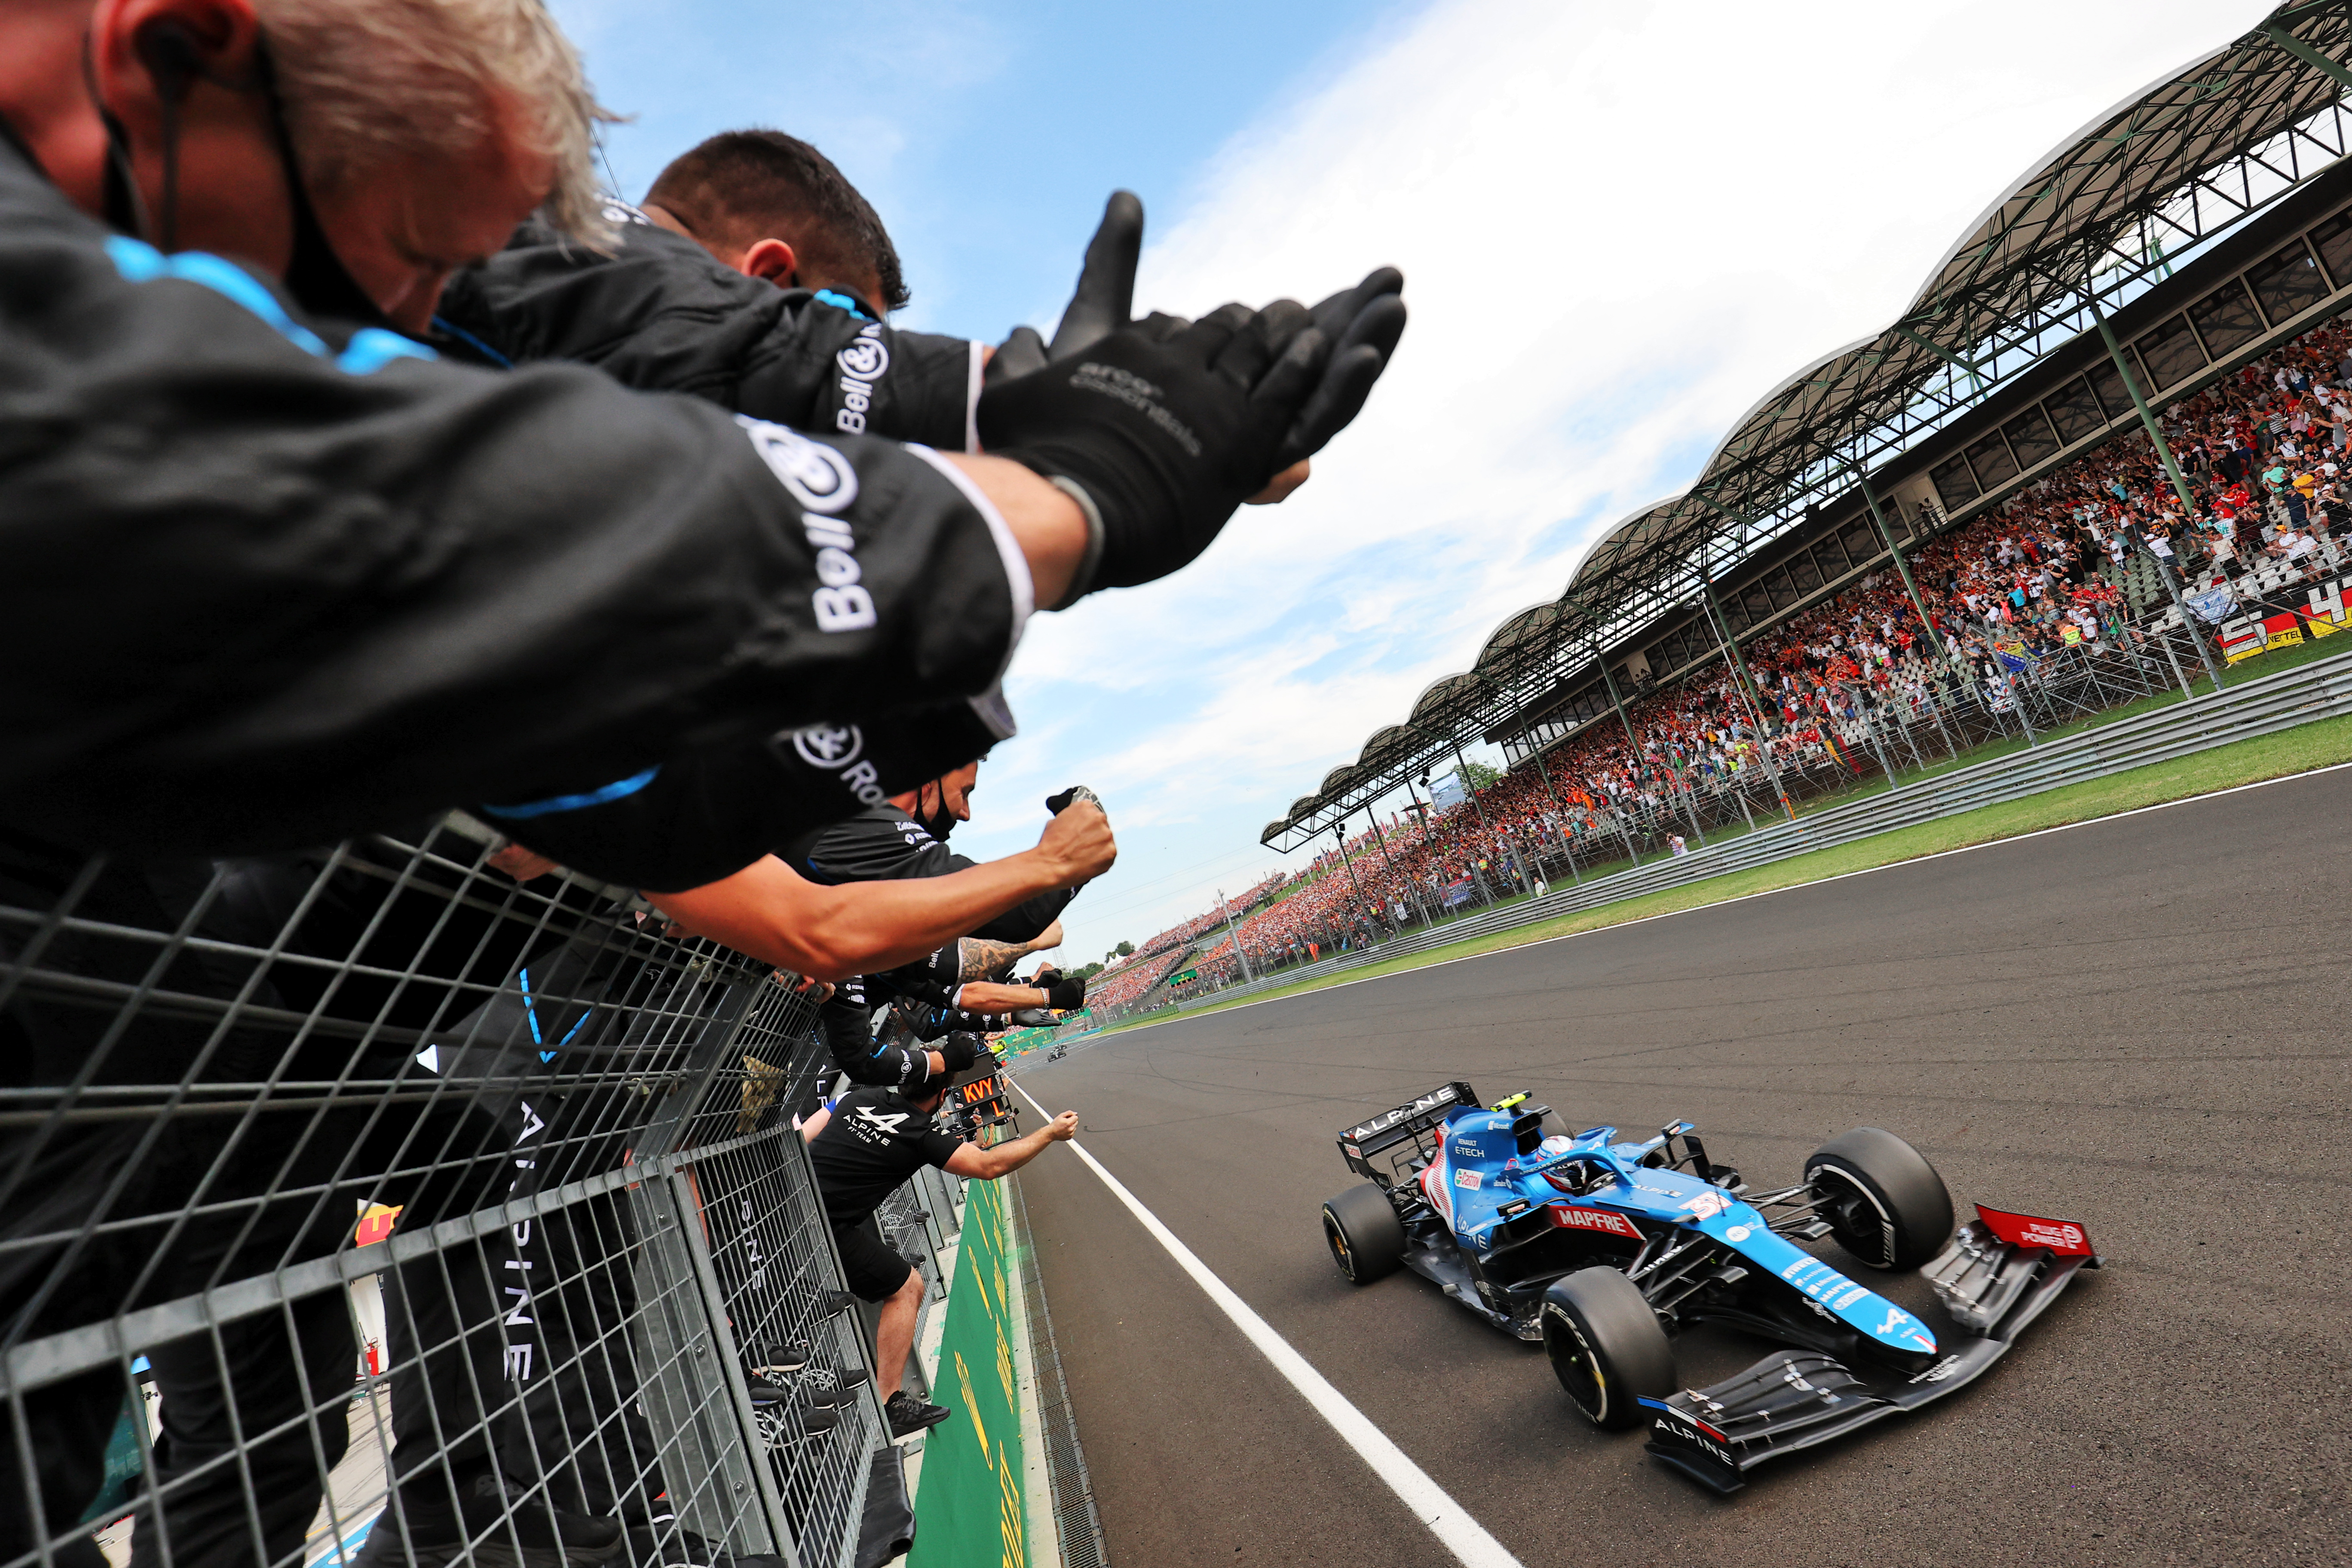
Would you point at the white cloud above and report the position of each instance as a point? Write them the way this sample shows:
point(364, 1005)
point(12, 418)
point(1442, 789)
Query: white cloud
point(1619, 226)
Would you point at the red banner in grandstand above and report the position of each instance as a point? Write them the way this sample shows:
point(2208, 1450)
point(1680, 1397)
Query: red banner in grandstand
point(2283, 627)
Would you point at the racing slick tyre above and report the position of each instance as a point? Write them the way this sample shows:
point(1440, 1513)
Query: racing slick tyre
point(1366, 1239)
point(1885, 1204)
point(1606, 1347)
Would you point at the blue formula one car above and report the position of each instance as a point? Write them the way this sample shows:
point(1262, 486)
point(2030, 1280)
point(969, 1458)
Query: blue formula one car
point(1602, 1250)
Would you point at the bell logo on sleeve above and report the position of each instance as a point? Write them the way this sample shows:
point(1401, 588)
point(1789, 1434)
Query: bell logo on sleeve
point(818, 476)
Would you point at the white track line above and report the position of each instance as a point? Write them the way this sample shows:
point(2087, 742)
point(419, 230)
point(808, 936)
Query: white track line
point(1765, 893)
point(1460, 1534)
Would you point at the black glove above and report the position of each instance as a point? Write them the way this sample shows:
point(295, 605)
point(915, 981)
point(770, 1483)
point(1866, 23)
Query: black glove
point(1031, 1018)
point(1099, 306)
point(1059, 804)
point(960, 1050)
point(1163, 429)
point(1362, 324)
point(1064, 992)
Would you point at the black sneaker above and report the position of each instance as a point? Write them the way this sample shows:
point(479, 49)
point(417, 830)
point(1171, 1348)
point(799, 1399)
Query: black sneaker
point(826, 1388)
point(771, 1361)
point(506, 1529)
point(910, 1414)
point(785, 1416)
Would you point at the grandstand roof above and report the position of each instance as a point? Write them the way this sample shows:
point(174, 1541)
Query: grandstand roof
point(2164, 172)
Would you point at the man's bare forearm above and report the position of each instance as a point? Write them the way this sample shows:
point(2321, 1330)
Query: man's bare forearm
point(981, 959)
point(771, 913)
point(1006, 1158)
point(988, 996)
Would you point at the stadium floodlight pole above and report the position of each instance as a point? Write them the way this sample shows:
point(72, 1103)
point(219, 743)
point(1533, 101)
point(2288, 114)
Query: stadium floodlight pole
point(2171, 469)
point(1425, 812)
point(1568, 835)
point(1910, 585)
point(1339, 833)
point(1603, 660)
point(1721, 625)
point(1382, 840)
point(1235, 931)
point(1469, 788)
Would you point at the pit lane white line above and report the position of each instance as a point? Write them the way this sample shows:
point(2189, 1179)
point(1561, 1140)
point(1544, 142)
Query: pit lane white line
point(1459, 1533)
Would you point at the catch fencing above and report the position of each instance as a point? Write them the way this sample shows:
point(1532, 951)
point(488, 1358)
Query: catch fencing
point(606, 1317)
point(2264, 706)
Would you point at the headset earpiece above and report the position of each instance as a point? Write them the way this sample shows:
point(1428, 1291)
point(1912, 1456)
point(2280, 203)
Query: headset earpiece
point(171, 56)
point(174, 59)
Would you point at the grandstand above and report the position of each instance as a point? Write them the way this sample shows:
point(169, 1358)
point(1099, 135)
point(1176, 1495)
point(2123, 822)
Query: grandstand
point(2098, 456)
point(2106, 451)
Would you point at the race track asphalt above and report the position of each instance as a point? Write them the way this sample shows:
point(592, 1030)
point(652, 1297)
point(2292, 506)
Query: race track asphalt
point(2139, 1024)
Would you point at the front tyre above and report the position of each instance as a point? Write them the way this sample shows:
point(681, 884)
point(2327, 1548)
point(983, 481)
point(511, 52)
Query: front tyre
point(1366, 1239)
point(1606, 1347)
point(1885, 1202)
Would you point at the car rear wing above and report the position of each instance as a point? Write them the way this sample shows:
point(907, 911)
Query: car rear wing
point(1414, 1123)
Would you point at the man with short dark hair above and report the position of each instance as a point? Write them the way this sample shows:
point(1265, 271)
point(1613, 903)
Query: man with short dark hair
point(770, 206)
point(865, 1146)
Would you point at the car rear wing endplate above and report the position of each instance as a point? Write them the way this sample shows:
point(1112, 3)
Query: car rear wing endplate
point(1414, 1122)
point(1794, 1400)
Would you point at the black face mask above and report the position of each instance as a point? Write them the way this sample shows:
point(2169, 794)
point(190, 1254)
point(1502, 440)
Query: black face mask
point(315, 275)
point(940, 824)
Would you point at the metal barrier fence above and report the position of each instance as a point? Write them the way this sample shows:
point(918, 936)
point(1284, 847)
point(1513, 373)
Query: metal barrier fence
point(607, 1325)
point(2320, 689)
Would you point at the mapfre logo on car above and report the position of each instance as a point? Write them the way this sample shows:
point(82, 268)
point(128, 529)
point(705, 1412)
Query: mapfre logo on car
point(1568, 1217)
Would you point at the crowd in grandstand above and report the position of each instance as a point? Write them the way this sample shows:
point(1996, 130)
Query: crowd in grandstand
point(2263, 457)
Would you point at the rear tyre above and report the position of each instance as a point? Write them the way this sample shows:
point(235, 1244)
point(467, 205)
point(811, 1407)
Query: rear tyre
point(1885, 1204)
point(1606, 1347)
point(1366, 1239)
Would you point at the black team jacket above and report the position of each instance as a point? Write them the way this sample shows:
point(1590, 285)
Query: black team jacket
point(289, 581)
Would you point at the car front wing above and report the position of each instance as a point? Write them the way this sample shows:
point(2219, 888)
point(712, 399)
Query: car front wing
point(1795, 1399)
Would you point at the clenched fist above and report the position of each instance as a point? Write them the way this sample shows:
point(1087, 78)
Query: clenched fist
point(1079, 841)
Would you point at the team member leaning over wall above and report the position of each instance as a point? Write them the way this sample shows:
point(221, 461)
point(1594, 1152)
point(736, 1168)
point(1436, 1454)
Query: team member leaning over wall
point(903, 841)
point(865, 1147)
point(311, 516)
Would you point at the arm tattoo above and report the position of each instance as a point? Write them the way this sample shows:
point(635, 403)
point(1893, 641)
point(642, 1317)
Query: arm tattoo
point(977, 958)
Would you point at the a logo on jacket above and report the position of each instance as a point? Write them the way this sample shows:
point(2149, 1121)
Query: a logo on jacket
point(862, 364)
point(815, 475)
point(828, 745)
point(836, 749)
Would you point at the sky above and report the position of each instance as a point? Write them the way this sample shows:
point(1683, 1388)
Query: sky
point(1621, 225)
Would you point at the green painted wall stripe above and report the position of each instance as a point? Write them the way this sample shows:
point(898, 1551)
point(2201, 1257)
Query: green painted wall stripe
point(968, 1505)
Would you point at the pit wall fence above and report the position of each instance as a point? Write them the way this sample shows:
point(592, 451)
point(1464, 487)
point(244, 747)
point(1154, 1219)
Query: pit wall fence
point(362, 1206)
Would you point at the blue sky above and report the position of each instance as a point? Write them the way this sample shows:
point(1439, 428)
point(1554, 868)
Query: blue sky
point(1621, 225)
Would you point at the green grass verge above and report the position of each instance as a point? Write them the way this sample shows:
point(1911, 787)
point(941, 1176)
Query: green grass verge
point(2315, 745)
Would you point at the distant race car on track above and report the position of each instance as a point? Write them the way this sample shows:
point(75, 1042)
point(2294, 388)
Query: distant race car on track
point(1602, 1250)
